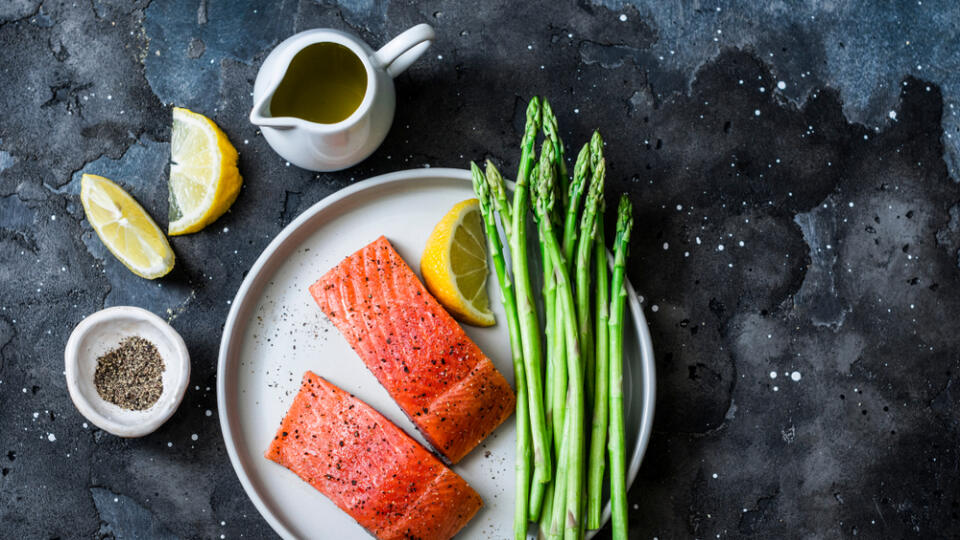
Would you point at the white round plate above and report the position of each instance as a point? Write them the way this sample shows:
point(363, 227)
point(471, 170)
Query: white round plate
point(275, 332)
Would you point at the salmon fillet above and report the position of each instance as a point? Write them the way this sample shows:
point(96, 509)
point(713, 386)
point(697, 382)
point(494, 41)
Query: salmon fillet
point(440, 378)
point(394, 487)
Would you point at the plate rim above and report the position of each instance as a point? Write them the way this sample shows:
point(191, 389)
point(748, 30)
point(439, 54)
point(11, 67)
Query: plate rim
point(227, 431)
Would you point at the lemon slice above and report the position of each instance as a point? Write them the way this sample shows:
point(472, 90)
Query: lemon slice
point(204, 180)
point(125, 227)
point(454, 264)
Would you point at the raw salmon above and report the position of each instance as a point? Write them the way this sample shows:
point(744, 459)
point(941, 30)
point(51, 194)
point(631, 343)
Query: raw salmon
point(440, 378)
point(369, 467)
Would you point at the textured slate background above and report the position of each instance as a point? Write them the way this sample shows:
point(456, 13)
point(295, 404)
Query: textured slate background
point(791, 168)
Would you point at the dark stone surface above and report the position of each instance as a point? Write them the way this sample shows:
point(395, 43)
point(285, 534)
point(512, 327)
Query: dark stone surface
point(831, 195)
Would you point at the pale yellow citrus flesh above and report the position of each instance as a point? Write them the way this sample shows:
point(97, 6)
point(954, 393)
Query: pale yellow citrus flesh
point(204, 179)
point(125, 227)
point(454, 264)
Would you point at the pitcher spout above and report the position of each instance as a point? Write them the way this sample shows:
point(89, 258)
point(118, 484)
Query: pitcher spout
point(260, 114)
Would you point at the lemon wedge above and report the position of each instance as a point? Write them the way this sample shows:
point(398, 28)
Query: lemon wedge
point(204, 179)
point(454, 264)
point(125, 227)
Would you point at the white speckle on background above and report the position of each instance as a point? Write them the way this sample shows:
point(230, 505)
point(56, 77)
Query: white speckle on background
point(654, 308)
point(208, 412)
point(720, 247)
point(773, 374)
point(666, 246)
point(776, 388)
point(740, 243)
point(756, 112)
point(169, 444)
point(698, 240)
point(194, 437)
point(84, 425)
point(781, 85)
point(623, 18)
point(714, 475)
point(679, 207)
point(795, 376)
point(51, 437)
point(892, 115)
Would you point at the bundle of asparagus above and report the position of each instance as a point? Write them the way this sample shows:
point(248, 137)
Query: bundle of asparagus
point(572, 365)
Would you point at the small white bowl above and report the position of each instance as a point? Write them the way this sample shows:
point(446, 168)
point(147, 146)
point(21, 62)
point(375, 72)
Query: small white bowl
point(103, 331)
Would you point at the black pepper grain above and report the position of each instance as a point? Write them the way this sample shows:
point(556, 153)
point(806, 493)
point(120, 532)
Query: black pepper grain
point(131, 375)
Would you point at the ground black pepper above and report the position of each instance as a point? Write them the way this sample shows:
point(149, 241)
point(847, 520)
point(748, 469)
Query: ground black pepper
point(131, 375)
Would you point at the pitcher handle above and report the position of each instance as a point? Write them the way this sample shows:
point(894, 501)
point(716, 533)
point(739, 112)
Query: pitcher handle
point(397, 55)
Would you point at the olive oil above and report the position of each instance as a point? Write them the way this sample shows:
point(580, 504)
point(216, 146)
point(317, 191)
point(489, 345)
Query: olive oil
point(325, 83)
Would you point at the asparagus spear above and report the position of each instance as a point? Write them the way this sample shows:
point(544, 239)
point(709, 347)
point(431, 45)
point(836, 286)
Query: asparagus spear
point(573, 440)
point(581, 171)
point(550, 333)
point(482, 189)
point(549, 383)
point(526, 309)
point(588, 228)
point(551, 131)
point(556, 389)
point(558, 397)
point(499, 197)
point(546, 516)
point(618, 294)
point(601, 405)
point(556, 527)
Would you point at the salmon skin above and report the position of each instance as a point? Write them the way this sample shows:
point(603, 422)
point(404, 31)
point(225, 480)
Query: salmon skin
point(394, 487)
point(440, 378)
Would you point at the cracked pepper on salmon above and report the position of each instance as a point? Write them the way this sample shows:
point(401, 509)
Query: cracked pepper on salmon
point(394, 487)
point(439, 377)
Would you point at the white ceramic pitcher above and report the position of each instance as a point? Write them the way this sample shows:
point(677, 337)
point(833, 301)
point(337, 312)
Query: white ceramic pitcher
point(331, 147)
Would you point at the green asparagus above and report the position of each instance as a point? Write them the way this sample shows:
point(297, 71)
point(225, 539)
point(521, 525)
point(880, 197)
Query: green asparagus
point(601, 405)
point(526, 309)
point(588, 229)
point(581, 172)
point(617, 445)
point(499, 197)
point(483, 192)
point(551, 130)
point(567, 323)
point(578, 369)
